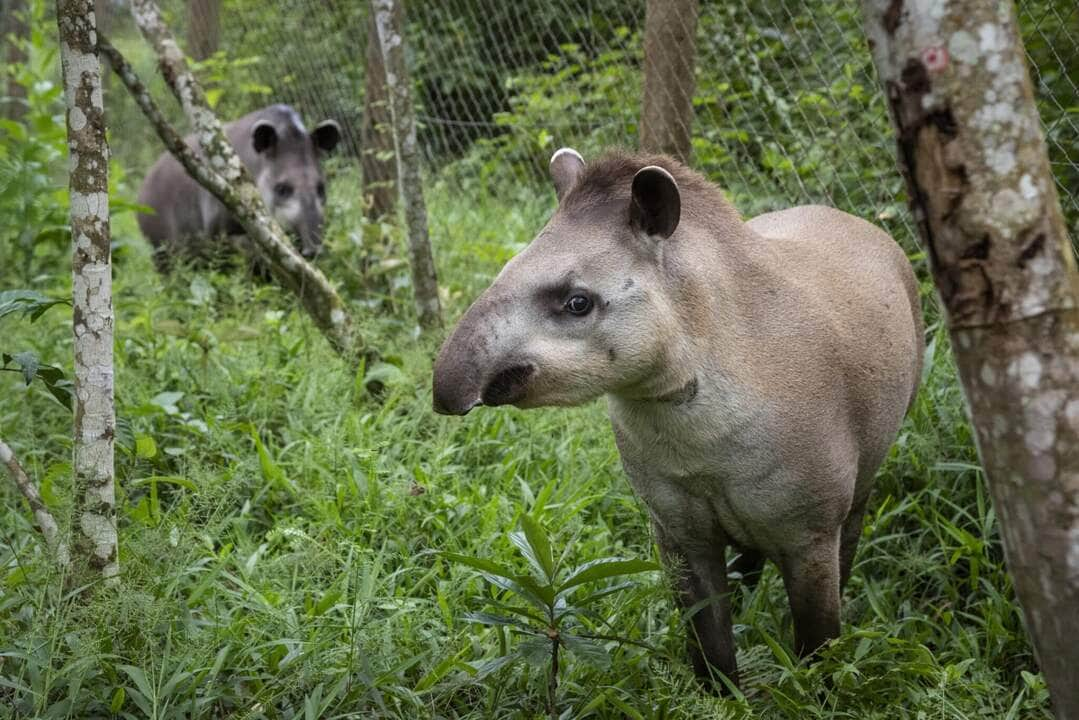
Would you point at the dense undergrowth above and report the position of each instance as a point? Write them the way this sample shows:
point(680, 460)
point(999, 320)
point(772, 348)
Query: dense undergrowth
point(281, 526)
point(283, 516)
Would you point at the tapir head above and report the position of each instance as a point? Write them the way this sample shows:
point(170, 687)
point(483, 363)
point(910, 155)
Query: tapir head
point(291, 180)
point(583, 310)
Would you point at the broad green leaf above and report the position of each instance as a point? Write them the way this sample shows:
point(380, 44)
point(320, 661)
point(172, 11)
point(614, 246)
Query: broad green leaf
point(29, 302)
point(271, 471)
point(487, 667)
point(605, 568)
point(328, 600)
point(29, 364)
point(145, 447)
point(521, 612)
point(520, 542)
point(486, 566)
point(778, 651)
point(627, 710)
point(440, 671)
point(536, 651)
point(587, 650)
point(51, 376)
point(168, 479)
point(521, 590)
point(618, 587)
point(483, 618)
point(541, 546)
point(140, 679)
point(167, 401)
point(117, 702)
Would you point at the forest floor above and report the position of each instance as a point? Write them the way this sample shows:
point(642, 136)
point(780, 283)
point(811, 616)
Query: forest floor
point(283, 523)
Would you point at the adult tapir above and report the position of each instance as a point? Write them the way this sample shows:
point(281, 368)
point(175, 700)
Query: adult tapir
point(284, 160)
point(756, 373)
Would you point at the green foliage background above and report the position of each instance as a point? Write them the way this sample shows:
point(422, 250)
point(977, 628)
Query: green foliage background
point(282, 522)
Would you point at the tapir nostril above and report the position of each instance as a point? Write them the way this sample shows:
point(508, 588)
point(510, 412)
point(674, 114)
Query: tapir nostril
point(508, 386)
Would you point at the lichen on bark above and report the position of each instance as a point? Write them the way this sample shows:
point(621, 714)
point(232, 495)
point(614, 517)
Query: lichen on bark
point(980, 188)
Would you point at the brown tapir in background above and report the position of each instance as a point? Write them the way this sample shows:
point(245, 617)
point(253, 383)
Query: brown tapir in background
point(756, 372)
point(284, 161)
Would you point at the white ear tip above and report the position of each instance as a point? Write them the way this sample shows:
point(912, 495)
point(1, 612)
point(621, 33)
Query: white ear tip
point(566, 151)
point(650, 168)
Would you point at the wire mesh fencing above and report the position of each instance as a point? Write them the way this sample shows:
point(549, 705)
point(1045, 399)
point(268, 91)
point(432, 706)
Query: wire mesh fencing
point(785, 104)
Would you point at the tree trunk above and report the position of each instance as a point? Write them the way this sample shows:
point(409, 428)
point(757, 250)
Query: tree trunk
point(14, 30)
point(670, 41)
point(389, 17)
point(94, 545)
point(224, 175)
point(972, 151)
point(376, 136)
point(203, 28)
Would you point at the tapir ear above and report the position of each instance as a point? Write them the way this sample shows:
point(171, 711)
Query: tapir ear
point(326, 135)
point(263, 136)
point(566, 167)
point(656, 205)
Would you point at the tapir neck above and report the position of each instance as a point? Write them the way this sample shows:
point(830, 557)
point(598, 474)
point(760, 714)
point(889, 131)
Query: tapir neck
point(711, 268)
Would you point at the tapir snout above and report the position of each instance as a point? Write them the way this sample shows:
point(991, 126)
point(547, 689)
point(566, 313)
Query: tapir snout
point(469, 372)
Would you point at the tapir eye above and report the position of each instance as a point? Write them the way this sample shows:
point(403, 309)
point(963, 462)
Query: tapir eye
point(579, 305)
point(283, 191)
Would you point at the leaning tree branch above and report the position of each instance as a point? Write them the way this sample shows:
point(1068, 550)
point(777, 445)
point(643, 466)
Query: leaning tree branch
point(174, 143)
point(46, 523)
point(223, 175)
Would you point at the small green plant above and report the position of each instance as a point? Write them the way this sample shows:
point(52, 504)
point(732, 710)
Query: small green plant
point(33, 305)
point(543, 616)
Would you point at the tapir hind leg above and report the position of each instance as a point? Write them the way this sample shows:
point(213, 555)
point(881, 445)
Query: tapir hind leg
point(811, 576)
point(701, 585)
point(848, 544)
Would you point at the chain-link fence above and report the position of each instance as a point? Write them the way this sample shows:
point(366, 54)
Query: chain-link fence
point(786, 106)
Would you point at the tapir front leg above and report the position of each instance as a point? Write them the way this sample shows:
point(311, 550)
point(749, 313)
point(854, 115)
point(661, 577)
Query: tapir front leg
point(701, 585)
point(811, 576)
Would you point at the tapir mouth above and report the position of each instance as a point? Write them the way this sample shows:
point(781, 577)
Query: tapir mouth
point(508, 386)
point(505, 387)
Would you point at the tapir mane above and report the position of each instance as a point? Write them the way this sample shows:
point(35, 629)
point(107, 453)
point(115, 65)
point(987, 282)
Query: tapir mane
point(608, 179)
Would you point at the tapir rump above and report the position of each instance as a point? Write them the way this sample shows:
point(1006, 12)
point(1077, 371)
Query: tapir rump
point(285, 161)
point(756, 373)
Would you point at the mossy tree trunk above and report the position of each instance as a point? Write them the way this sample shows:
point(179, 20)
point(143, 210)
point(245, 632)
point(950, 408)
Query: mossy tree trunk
point(670, 40)
point(376, 135)
point(983, 197)
point(390, 22)
point(94, 543)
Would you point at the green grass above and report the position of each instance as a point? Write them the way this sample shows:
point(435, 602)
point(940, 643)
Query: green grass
point(280, 536)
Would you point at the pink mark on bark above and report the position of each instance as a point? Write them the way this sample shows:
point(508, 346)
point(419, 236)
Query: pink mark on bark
point(935, 59)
